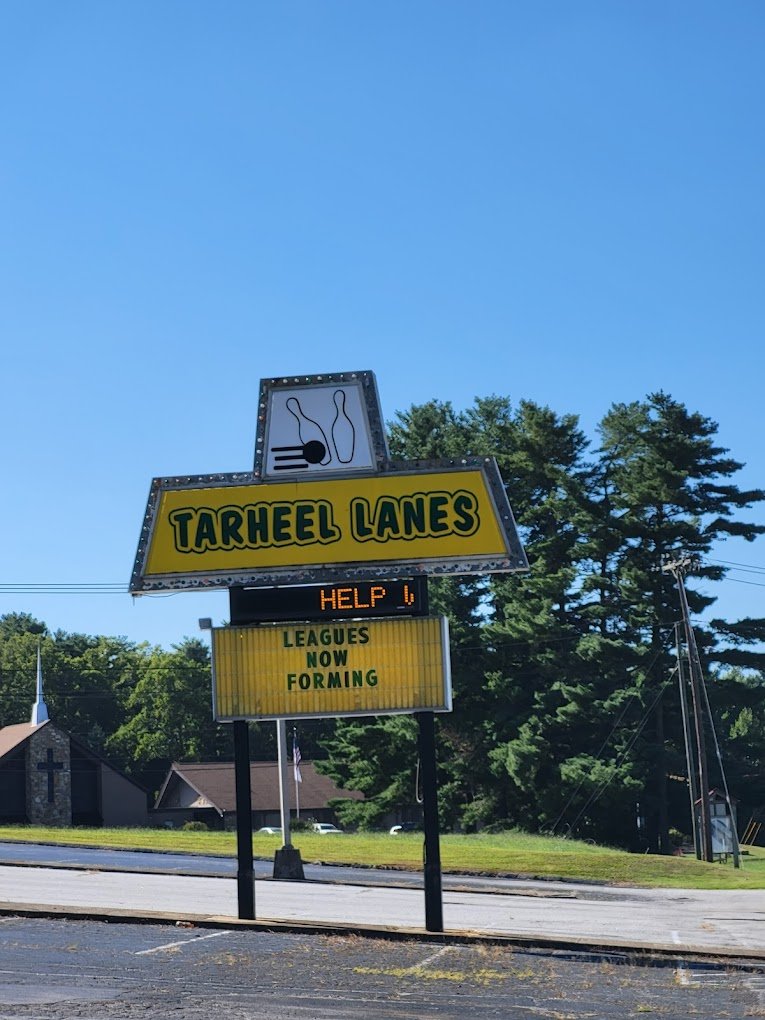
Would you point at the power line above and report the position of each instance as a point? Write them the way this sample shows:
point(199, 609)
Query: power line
point(736, 563)
point(63, 588)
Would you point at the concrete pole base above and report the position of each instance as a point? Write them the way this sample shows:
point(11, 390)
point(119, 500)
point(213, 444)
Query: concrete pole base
point(287, 864)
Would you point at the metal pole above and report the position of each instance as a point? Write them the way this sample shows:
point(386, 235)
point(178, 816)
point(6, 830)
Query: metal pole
point(295, 767)
point(284, 800)
point(245, 877)
point(434, 918)
point(693, 786)
point(695, 666)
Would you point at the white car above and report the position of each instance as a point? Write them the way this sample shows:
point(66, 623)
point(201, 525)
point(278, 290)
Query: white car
point(326, 828)
point(269, 830)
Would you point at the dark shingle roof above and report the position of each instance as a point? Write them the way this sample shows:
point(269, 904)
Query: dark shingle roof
point(215, 782)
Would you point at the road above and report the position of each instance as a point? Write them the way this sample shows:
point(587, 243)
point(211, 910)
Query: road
point(56, 855)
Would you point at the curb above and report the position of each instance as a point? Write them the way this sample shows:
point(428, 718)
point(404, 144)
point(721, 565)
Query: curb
point(646, 953)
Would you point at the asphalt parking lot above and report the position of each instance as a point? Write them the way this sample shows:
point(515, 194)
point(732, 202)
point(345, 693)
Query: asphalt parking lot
point(59, 969)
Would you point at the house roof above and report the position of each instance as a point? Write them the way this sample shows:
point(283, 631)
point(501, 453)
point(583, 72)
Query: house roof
point(12, 736)
point(214, 781)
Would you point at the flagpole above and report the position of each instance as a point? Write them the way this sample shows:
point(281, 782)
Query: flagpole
point(284, 807)
point(296, 771)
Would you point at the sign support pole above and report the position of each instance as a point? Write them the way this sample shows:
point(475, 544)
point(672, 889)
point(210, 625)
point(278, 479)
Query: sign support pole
point(245, 877)
point(434, 919)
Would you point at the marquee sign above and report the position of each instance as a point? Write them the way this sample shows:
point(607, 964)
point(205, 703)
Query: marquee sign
point(342, 668)
point(440, 517)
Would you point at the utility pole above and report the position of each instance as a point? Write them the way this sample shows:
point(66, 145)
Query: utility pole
point(679, 568)
point(693, 786)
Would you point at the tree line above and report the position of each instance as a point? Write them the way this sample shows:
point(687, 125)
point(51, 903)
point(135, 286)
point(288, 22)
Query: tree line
point(566, 708)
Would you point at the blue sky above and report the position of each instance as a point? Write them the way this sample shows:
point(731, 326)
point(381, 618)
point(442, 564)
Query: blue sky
point(552, 200)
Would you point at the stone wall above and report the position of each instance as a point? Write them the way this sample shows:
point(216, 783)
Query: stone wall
point(49, 777)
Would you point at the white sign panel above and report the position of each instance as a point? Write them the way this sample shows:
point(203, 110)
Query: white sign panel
point(313, 427)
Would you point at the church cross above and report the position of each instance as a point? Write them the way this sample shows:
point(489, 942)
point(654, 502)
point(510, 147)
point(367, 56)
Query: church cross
point(51, 767)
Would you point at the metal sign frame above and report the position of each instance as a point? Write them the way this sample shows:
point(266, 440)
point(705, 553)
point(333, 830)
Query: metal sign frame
point(371, 429)
point(513, 558)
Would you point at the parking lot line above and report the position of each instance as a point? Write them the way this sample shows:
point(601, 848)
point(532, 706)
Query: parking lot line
point(182, 942)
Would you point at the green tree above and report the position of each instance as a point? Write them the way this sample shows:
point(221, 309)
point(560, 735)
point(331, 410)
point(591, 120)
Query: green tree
point(544, 691)
point(665, 483)
point(87, 684)
point(20, 635)
point(379, 756)
point(169, 714)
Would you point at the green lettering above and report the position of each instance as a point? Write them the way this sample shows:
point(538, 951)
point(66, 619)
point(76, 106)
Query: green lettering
point(205, 536)
point(180, 522)
point(387, 519)
point(439, 524)
point(414, 516)
point(281, 523)
point(257, 525)
point(465, 513)
point(328, 532)
point(360, 520)
point(304, 523)
point(230, 523)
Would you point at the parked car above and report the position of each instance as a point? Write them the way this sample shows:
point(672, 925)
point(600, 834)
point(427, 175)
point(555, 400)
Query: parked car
point(270, 830)
point(404, 827)
point(326, 828)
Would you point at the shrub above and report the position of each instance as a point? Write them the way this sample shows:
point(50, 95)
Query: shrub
point(300, 825)
point(195, 827)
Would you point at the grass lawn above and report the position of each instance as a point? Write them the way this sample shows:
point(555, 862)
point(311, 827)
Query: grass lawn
point(507, 853)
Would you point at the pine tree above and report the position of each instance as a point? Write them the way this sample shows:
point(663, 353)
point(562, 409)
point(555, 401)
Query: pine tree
point(665, 482)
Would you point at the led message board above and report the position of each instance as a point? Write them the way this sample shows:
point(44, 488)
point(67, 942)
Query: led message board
point(299, 670)
point(342, 600)
point(441, 517)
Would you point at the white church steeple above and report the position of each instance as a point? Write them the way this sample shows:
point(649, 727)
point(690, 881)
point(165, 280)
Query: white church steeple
point(39, 709)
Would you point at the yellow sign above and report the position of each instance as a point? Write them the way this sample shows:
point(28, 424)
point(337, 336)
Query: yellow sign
point(227, 534)
point(372, 667)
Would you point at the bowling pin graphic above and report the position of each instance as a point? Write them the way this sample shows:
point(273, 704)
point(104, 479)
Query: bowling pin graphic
point(309, 431)
point(343, 432)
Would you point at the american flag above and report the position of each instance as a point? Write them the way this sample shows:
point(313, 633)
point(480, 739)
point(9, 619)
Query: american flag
point(296, 759)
